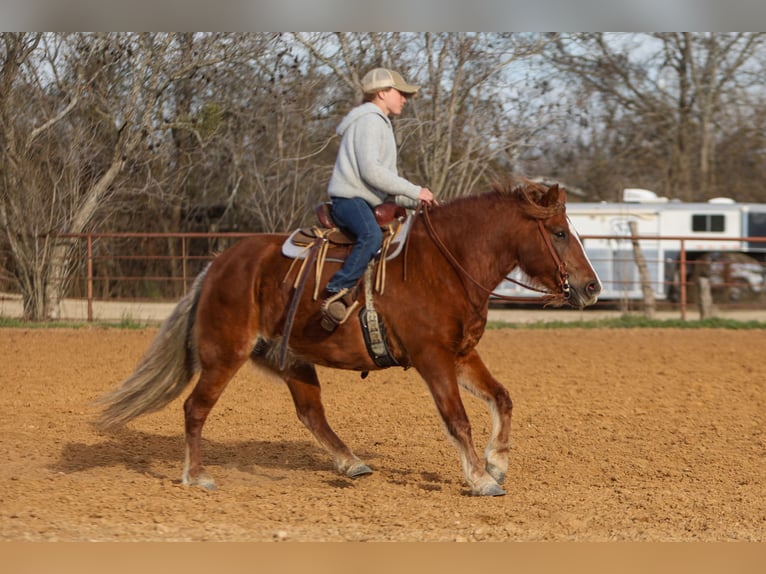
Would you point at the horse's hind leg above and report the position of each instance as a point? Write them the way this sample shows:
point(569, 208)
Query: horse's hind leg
point(474, 376)
point(211, 384)
point(303, 383)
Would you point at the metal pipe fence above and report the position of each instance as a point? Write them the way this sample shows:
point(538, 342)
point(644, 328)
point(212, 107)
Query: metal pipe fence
point(160, 267)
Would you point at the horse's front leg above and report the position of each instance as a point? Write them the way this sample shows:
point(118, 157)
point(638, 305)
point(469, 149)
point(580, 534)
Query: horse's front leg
point(439, 373)
point(474, 376)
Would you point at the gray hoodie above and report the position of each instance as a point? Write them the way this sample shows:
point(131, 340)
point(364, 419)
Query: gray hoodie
point(366, 162)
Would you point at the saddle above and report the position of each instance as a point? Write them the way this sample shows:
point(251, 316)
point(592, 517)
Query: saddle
point(332, 243)
point(387, 215)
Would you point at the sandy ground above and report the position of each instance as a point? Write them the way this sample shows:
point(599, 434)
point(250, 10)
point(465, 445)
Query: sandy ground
point(617, 435)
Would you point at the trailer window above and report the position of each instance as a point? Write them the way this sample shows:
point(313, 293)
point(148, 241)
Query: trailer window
point(708, 222)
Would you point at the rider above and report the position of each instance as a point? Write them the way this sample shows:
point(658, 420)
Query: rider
point(365, 175)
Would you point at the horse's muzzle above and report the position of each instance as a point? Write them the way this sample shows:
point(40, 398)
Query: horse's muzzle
point(588, 296)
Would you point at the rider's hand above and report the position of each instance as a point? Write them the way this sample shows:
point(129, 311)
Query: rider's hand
point(426, 196)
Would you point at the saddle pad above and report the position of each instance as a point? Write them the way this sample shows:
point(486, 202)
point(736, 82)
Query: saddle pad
point(293, 251)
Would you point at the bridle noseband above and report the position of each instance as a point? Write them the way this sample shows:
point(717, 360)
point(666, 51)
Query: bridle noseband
point(566, 290)
point(548, 297)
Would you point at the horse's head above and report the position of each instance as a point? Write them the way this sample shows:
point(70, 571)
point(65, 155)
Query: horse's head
point(553, 256)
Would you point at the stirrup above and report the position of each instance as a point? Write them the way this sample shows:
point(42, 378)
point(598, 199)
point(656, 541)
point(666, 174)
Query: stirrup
point(336, 309)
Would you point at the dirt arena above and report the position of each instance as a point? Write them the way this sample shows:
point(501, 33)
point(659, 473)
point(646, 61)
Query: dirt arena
point(617, 435)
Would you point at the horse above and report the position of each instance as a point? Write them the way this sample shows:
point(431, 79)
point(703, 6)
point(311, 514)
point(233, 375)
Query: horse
point(434, 309)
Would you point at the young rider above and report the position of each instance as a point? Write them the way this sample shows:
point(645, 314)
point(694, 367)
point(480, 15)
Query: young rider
point(365, 175)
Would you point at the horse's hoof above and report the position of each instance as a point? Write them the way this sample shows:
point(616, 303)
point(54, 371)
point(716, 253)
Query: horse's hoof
point(203, 481)
point(489, 490)
point(496, 473)
point(358, 469)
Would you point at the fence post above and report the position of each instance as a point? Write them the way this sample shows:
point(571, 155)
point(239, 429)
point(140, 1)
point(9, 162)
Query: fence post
point(704, 297)
point(650, 306)
point(682, 279)
point(90, 278)
point(183, 261)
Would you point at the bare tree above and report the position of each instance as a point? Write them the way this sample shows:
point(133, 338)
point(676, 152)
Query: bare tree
point(655, 101)
point(16, 49)
point(477, 120)
point(716, 65)
point(151, 131)
point(91, 101)
point(261, 145)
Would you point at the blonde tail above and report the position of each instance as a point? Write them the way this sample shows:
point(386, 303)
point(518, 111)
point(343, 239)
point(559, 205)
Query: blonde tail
point(164, 371)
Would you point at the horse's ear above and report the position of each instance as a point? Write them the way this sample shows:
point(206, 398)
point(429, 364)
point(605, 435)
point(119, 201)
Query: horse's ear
point(551, 196)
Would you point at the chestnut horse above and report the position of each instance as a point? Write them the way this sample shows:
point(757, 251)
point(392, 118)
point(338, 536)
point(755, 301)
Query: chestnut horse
point(434, 309)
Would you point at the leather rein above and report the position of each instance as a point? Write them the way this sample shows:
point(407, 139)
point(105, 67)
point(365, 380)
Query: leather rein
point(547, 297)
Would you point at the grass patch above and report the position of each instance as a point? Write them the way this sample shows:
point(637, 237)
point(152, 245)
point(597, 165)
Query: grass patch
point(633, 322)
point(124, 323)
point(129, 322)
point(623, 322)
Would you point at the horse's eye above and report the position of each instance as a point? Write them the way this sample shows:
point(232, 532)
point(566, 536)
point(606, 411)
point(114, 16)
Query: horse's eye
point(561, 234)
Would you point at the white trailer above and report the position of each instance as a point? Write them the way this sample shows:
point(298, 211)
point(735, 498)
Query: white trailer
point(706, 231)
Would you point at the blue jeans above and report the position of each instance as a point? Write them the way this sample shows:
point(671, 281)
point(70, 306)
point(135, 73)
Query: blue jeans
point(355, 216)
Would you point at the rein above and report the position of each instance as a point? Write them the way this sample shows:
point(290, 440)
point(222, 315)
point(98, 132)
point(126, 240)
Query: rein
point(547, 297)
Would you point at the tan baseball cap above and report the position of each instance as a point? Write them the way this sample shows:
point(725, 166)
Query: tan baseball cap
point(381, 78)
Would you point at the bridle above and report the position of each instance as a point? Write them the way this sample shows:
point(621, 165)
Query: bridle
point(547, 296)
